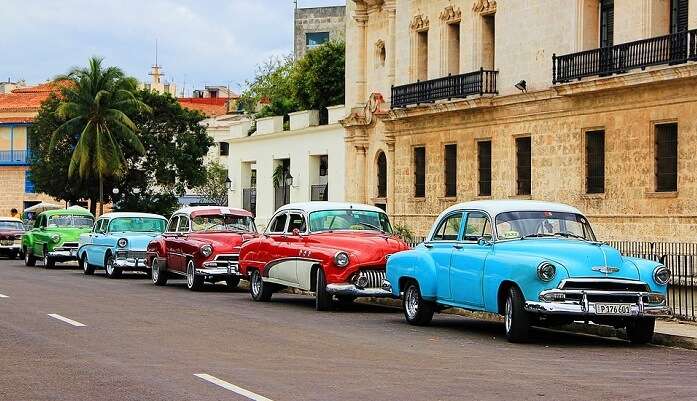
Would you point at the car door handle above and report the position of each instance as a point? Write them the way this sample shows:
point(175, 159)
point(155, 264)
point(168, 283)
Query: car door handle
point(457, 246)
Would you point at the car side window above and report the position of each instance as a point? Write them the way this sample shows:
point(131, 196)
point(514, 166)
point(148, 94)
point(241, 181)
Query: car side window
point(478, 226)
point(296, 221)
point(183, 225)
point(278, 224)
point(449, 228)
point(43, 221)
point(99, 227)
point(172, 227)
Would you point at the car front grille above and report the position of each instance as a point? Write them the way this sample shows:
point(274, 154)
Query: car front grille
point(226, 260)
point(131, 254)
point(375, 278)
point(604, 285)
point(70, 245)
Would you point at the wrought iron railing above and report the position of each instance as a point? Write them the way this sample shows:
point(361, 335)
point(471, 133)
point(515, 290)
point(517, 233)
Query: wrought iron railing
point(675, 48)
point(15, 157)
point(249, 200)
point(451, 87)
point(319, 193)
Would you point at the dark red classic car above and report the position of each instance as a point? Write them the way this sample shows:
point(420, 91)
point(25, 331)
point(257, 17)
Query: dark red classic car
point(202, 244)
point(333, 249)
point(11, 231)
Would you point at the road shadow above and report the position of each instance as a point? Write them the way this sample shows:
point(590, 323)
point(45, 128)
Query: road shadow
point(308, 302)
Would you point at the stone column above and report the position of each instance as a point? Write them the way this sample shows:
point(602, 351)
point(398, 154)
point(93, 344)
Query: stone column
point(360, 173)
point(391, 10)
point(391, 165)
point(361, 18)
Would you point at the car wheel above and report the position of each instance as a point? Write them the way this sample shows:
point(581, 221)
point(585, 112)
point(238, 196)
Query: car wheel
point(193, 281)
point(516, 319)
point(87, 268)
point(259, 290)
point(159, 276)
point(232, 282)
point(111, 270)
point(417, 310)
point(323, 299)
point(29, 259)
point(640, 330)
point(49, 263)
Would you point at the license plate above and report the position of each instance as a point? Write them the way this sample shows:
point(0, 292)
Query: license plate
point(7, 242)
point(613, 309)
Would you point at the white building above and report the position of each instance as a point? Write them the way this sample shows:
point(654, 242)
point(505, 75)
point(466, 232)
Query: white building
point(313, 155)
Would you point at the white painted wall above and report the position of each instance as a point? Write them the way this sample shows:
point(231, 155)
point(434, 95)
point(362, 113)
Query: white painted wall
point(301, 147)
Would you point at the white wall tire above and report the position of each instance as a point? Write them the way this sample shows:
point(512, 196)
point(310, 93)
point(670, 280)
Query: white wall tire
point(516, 318)
point(111, 270)
point(417, 311)
point(194, 282)
point(87, 268)
point(258, 289)
point(158, 274)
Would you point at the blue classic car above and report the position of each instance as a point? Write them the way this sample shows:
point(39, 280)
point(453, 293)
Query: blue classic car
point(535, 263)
point(118, 242)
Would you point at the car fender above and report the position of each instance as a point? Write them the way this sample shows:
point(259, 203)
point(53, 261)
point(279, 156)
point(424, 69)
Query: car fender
point(156, 249)
point(646, 268)
point(413, 264)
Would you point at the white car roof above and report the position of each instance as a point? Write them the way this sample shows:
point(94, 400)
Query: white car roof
point(12, 219)
point(495, 207)
point(114, 215)
point(317, 206)
point(191, 209)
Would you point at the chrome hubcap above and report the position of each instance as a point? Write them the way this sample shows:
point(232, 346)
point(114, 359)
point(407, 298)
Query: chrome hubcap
point(110, 267)
point(190, 274)
point(155, 271)
point(411, 302)
point(256, 283)
point(509, 314)
point(84, 263)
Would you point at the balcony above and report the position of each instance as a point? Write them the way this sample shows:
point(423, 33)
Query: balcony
point(451, 87)
point(15, 157)
point(670, 49)
point(319, 193)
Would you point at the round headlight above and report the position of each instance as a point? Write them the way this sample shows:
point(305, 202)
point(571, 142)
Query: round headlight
point(661, 275)
point(546, 271)
point(55, 237)
point(206, 250)
point(341, 259)
point(122, 242)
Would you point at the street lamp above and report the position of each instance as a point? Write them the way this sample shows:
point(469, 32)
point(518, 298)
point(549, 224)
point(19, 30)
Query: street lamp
point(136, 191)
point(288, 179)
point(228, 183)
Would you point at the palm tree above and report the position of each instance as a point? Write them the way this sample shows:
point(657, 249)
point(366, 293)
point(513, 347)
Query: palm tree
point(94, 103)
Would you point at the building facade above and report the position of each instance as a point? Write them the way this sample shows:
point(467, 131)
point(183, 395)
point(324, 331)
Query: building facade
point(317, 25)
point(274, 167)
point(17, 111)
point(590, 103)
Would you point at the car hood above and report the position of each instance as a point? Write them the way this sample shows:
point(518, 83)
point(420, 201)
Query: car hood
point(580, 258)
point(222, 242)
point(67, 234)
point(136, 240)
point(363, 248)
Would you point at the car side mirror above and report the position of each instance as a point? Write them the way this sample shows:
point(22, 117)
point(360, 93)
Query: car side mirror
point(483, 242)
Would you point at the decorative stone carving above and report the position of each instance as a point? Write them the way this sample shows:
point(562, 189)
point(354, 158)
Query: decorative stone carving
point(451, 14)
point(419, 23)
point(484, 6)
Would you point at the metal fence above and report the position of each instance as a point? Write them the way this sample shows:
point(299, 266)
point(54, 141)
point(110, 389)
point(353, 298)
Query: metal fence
point(450, 87)
point(680, 258)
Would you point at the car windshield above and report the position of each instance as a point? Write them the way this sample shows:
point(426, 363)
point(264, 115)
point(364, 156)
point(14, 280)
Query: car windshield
point(349, 219)
point(67, 220)
point(222, 222)
point(138, 225)
point(11, 226)
point(533, 224)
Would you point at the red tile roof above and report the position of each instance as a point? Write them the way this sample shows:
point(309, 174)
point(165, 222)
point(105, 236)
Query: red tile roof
point(210, 106)
point(27, 99)
point(18, 120)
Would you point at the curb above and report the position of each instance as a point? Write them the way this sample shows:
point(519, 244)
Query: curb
point(664, 339)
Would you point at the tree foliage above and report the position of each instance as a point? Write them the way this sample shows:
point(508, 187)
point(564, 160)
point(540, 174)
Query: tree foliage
point(214, 188)
point(273, 81)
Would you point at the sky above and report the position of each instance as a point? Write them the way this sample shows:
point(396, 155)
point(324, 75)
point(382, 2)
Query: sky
point(200, 42)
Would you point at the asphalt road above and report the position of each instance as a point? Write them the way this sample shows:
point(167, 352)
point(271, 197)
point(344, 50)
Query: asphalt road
point(141, 342)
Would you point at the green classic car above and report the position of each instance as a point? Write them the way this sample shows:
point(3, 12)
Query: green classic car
point(55, 236)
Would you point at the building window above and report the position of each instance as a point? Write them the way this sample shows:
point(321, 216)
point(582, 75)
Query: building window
point(595, 162)
point(420, 172)
point(484, 167)
point(678, 15)
point(323, 165)
point(314, 39)
point(523, 165)
point(453, 30)
point(607, 22)
point(28, 183)
point(422, 55)
point(224, 149)
point(488, 41)
point(451, 170)
point(382, 175)
point(666, 157)
point(380, 54)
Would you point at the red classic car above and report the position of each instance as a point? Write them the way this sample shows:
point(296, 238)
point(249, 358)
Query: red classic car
point(333, 249)
point(201, 243)
point(11, 231)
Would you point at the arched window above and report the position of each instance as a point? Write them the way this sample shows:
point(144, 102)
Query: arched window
point(382, 175)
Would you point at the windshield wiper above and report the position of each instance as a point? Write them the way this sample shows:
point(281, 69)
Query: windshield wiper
point(371, 226)
point(536, 235)
point(571, 235)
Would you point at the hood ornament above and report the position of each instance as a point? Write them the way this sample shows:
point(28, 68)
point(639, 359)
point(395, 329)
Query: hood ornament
point(606, 269)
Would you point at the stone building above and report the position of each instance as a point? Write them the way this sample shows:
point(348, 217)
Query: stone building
point(587, 102)
point(317, 25)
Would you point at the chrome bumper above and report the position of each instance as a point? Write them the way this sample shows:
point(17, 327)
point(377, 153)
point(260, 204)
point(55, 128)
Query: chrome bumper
point(346, 289)
point(15, 247)
point(63, 253)
point(586, 307)
point(214, 270)
point(131, 263)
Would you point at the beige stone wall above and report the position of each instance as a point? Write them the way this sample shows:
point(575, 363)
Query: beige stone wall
point(318, 19)
point(12, 194)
